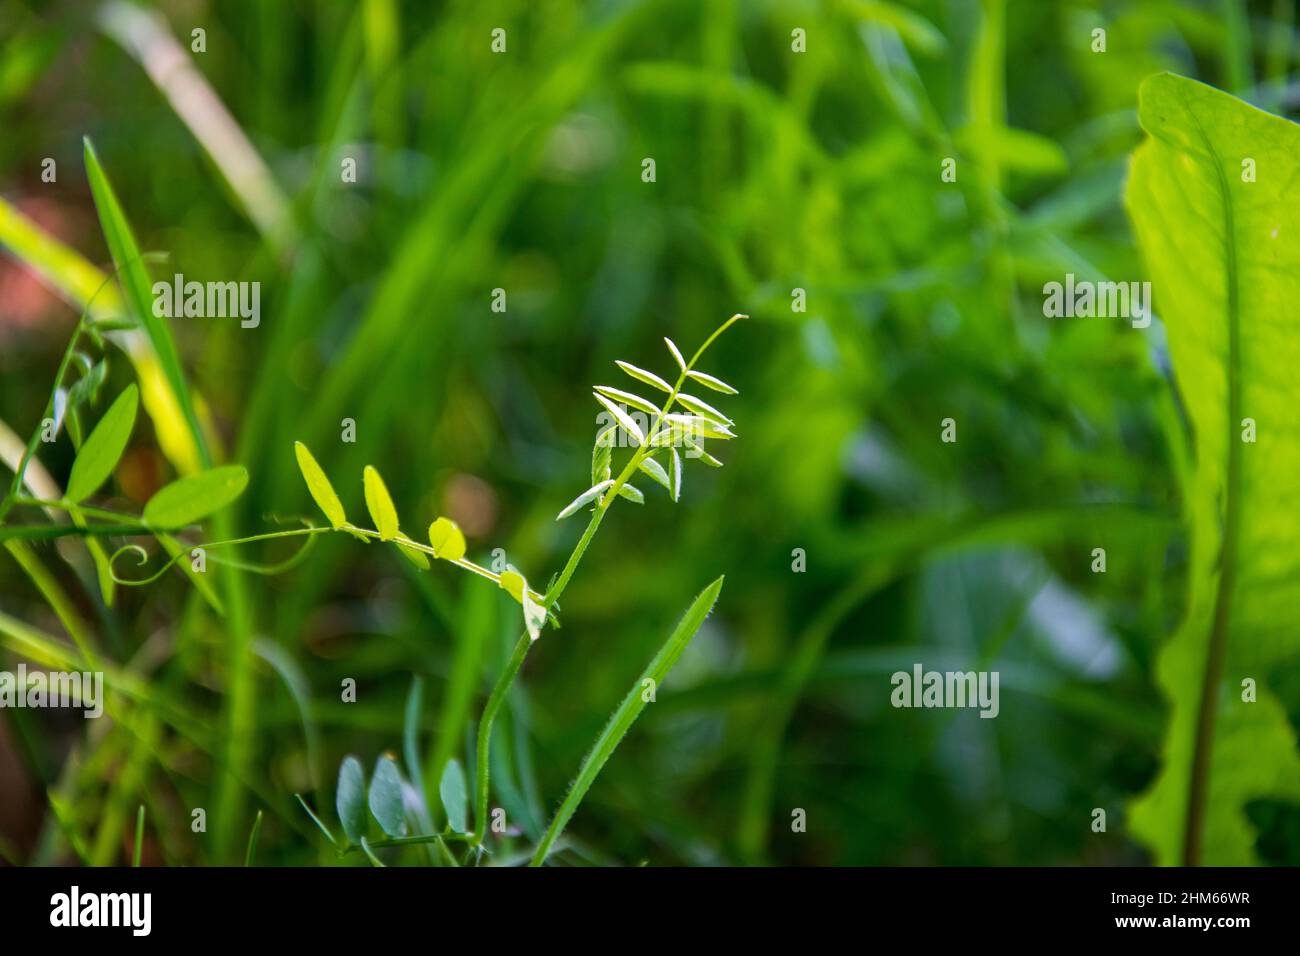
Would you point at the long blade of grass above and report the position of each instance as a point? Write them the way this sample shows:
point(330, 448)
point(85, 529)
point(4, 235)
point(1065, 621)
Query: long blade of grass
point(136, 288)
point(145, 36)
point(627, 713)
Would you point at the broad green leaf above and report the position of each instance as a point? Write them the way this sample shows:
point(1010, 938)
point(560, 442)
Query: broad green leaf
point(677, 353)
point(447, 540)
point(380, 505)
point(188, 499)
point(590, 494)
point(675, 474)
point(623, 418)
point(629, 398)
point(641, 375)
point(703, 408)
point(708, 381)
point(455, 796)
point(322, 492)
point(655, 471)
point(631, 493)
point(350, 801)
point(602, 452)
point(636, 700)
point(386, 797)
point(1224, 261)
point(103, 447)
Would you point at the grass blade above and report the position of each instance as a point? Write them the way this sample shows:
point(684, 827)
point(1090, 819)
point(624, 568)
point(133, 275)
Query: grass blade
point(135, 286)
point(627, 713)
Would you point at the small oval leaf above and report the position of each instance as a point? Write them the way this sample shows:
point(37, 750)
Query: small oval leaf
point(350, 801)
point(104, 446)
point(631, 493)
point(189, 499)
point(455, 796)
point(322, 492)
point(380, 504)
point(386, 797)
point(447, 540)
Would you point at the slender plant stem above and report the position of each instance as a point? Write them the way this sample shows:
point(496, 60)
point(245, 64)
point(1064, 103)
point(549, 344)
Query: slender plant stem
point(16, 485)
point(524, 644)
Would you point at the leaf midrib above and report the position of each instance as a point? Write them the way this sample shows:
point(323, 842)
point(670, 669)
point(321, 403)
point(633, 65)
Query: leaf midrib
point(1198, 786)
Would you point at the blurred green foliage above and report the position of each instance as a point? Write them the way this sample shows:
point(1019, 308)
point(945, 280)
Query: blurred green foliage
point(775, 171)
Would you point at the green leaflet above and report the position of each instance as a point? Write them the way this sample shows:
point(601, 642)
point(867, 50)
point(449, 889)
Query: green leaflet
point(350, 800)
point(675, 474)
point(414, 555)
point(322, 492)
point(380, 504)
point(602, 453)
point(386, 797)
point(1224, 260)
point(629, 398)
point(513, 583)
point(591, 494)
point(656, 471)
point(710, 381)
point(454, 793)
point(677, 353)
point(642, 693)
point(188, 499)
point(447, 540)
point(701, 407)
point(642, 375)
point(623, 418)
point(102, 449)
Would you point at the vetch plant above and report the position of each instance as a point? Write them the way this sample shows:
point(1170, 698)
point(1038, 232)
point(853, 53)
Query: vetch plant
point(675, 427)
point(656, 455)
